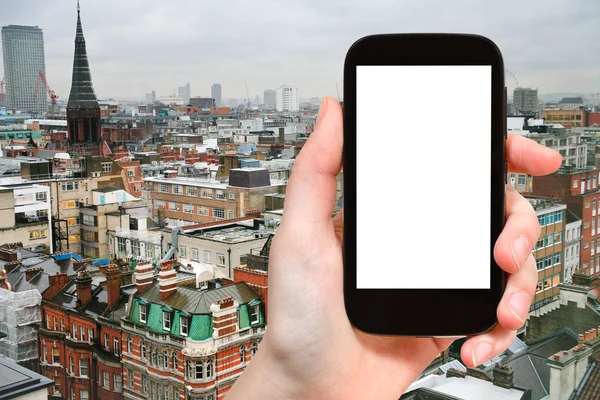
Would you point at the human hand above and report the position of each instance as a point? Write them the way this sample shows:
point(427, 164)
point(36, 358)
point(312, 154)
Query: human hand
point(310, 349)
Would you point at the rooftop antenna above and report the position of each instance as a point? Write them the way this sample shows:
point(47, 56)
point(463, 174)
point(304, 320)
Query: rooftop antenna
point(78, 7)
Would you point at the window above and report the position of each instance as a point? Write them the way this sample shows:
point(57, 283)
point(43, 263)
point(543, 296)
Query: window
point(129, 343)
point(142, 313)
point(54, 322)
point(117, 383)
point(188, 208)
point(71, 364)
point(83, 367)
point(144, 384)
point(165, 359)
point(191, 191)
point(106, 380)
point(209, 369)
point(74, 331)
point(153, 357)
point(254, 348)
point(594, 201)
point(159, 204)
point(175, 366)
point(131, 172)
point(56, 385)
point(89, 220)
point(220, 259)
point(220, 195)
point(70, 204)
point(33, 235)
point(219, 213)
point(72, 393)
point(189, 371)
point(106, 342)
point(55, 355)
point(73, 221)
point(521, 179)
point(203, 210)
point(82, 333)
point(199, 370)
point(45, 356)
point(106, 167)
point(195, 254)
point(69, 186)
point(586, 245)
point(90, 334)
point(183, 326)
point(231, 195)
point(254, 317)
point(575, 183)
point(116, 346)
point(182, 251)
point(131, 380)
point(206, 193)
point(74, 238)
point(207, 258)
point(587, 204)
point(83, 395)
point(586, 225)
point(230, 214)
point(173, 206)
point(143, 351)
point(242, 354)
point(163, 188)
point(167, 392)
point(166, 320)
point(177, 189)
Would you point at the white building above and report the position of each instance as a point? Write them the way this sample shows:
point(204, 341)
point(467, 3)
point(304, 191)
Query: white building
point(572, 245)
point(287, 99)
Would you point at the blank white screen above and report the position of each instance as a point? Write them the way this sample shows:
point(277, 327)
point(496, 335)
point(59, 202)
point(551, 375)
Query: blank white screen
point(423, 177)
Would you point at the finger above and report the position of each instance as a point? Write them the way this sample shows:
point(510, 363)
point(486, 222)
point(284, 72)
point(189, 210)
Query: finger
point(311, 190)
point(338, 225)
point(520, 233)
point(526, 156)
point(482, 348)
point(519, 292)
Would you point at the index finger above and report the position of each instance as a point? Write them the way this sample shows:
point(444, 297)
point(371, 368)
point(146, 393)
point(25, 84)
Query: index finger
point(526, 156)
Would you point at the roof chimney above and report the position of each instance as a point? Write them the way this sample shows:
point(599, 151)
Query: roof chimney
point(143, 276)
point(503, 376)
point(167, 279)
point(225, 316)
point(113, 285)
point(31, 272)
point(84, 287)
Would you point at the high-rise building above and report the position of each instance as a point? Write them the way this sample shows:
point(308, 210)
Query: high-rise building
point(151, 97)
point(23, 54)
point(270, 97)
point(287, 99)
point(525, 101)
point(215, 93)
point(83, 111)
point(185, 93)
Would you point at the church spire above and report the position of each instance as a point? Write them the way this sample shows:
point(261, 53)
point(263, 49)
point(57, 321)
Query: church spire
point(82, 92)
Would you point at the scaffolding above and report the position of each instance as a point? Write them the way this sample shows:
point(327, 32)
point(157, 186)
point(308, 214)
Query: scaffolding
point(19, 315)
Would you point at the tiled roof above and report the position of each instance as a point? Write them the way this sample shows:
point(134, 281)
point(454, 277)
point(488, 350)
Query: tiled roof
point(589, 388)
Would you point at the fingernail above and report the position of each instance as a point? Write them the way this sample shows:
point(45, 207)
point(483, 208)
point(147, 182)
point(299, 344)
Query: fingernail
point(518, 304)
point(481, 353)
point(520, 249)
point(322, 109)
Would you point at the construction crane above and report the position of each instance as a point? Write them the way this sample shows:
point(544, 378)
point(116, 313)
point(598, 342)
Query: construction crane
point(2, 94)
point(514, 77)
point(51, 93)
point(247, 99)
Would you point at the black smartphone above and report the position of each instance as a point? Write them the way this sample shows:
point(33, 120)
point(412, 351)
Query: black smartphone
point(424, 183)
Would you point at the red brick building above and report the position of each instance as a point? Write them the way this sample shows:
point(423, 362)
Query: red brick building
point(188, 341)
point(579, 190)
point(80, 338)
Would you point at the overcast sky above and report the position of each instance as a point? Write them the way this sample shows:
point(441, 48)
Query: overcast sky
point(135, 46)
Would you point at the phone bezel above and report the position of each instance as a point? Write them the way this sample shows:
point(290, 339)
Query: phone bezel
point(424, 312)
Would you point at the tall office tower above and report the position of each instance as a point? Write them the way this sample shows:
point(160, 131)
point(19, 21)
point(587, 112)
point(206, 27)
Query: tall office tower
point(270, 97)
point(287, 99)
point(525, 101)
point(23, 54)
point(185, 93)
point(151, 97)
point(83, 111)
point(215, 93)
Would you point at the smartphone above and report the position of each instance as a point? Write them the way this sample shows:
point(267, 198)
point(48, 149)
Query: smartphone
point(424, 183)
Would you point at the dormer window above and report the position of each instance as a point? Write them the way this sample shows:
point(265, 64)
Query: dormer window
point(254, 314)
point(183, 325)
point(143, 311)
point(166, 320)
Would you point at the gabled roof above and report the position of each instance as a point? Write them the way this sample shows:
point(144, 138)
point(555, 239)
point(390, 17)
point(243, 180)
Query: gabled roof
point(589, 388)
point(196, 301)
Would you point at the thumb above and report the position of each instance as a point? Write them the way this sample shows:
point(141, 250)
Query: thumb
point(311, 190)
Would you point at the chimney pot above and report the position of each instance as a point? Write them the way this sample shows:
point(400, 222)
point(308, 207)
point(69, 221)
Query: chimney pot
point(565, 352)
point(557, 357)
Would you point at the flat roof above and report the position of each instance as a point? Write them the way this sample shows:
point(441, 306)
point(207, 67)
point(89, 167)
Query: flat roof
point(16, 381)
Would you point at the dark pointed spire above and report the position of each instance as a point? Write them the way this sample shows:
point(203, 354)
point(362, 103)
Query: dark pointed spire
point(82, 91)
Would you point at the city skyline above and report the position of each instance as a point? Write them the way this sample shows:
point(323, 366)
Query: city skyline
point(307, 50)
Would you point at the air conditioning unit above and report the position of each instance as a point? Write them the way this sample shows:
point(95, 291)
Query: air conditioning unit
point(95, 174)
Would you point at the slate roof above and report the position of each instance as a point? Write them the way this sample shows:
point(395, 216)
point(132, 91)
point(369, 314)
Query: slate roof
point(19, 382)
point(196, 301)
point(589, 388)
point(571, 100)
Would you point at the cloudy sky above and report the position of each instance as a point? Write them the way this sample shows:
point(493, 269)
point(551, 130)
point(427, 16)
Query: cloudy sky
point(135, 46)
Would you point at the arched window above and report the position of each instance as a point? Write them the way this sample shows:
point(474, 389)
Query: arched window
point(129, 343)
point(165, 359)
point(199, 370)
point(143, 351)
point(153, 355)
point(254, 348)
point(242, 354)
point(175, 366)
point(189, 371)
point(209, 369)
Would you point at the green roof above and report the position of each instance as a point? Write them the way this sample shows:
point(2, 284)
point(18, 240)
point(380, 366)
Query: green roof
point(8, 135)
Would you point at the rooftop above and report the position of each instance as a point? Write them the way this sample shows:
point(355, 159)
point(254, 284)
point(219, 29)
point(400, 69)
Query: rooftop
point(231, 233)
point(466, 388)
point(19, 382)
